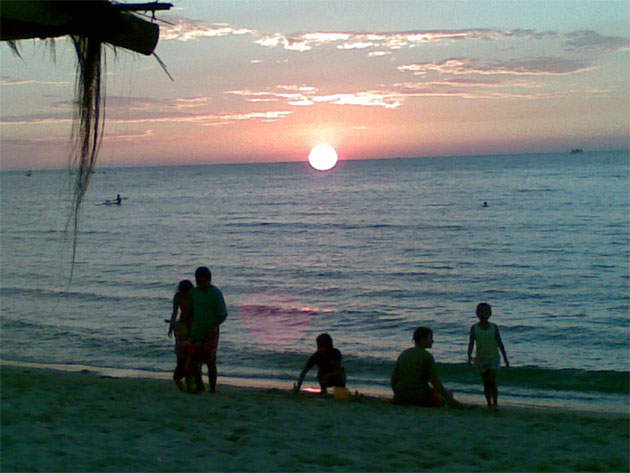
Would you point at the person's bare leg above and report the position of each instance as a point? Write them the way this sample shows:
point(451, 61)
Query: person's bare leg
point(190, 378)
point(179, 384)
point(487, 388)
point(212, 373)
point(494, 390)
point(197, 367)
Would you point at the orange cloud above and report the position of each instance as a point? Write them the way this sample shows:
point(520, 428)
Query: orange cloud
point(17, 82)
point(306, 95)
point(146, 116)
point(547, 66)
point(390, 40)
point(184, 29)
point(388, 99)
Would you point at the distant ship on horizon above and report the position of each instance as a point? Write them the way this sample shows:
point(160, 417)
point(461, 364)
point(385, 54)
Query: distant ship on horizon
point(577, 151)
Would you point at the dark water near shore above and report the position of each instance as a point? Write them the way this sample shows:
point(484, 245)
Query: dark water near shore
point(366, 252)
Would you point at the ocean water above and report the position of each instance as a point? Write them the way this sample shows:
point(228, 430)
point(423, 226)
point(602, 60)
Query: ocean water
point(366, 252)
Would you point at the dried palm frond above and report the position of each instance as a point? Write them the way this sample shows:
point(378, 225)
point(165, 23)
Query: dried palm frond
point(14, 48)
point(90, 24)
point(87, 123)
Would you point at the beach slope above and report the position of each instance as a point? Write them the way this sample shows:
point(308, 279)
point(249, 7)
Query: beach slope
point(59, 421)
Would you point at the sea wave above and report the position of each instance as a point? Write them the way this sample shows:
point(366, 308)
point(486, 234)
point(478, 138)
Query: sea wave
point(127, 348)
point(551, 379)
point(77, 295)
point(260, 364)
point(299, 225)
point(367, 370)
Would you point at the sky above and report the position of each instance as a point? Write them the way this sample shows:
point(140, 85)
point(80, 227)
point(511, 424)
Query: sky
point(265, 81)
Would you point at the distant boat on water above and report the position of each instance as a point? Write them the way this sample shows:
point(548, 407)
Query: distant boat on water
point(117, 201)
point(577, 151)
point(29, 173)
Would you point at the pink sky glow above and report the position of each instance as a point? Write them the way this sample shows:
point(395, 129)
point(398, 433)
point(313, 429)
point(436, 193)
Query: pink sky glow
point(401, 79)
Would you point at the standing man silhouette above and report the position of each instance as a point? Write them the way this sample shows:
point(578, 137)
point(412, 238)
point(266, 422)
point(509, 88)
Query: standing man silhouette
point(208, 312)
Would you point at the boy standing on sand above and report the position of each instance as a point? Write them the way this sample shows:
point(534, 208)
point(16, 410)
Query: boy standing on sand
point(208, 312)
point(488, 340)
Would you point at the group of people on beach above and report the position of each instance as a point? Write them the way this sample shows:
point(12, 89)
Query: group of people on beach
point(199, 310)
point(415, 367)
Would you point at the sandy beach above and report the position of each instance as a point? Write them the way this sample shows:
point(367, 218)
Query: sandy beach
point(60, 421)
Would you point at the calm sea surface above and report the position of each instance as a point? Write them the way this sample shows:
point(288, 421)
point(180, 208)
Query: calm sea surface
point(366, 252)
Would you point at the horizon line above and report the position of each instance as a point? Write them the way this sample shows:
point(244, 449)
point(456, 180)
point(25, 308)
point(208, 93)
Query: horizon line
point(243, 163)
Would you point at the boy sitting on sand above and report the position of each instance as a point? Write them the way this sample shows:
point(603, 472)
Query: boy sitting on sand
point(181, 328)
point(488, 340)
point(328, 360)
point(414, 370)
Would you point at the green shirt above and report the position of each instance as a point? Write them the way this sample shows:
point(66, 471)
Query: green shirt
point(410, 379)
point(208, 311)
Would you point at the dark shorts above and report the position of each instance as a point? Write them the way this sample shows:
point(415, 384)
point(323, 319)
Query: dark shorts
point(205, 351)
point(487, 364)
point(428, 398)
point(334, 381)
point(183, 350)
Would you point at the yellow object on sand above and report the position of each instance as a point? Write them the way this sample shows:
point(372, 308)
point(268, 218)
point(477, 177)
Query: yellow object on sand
point(341, 394)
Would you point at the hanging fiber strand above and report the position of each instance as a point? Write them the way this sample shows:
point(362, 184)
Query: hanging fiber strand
point(87, 124)
point(90, 24)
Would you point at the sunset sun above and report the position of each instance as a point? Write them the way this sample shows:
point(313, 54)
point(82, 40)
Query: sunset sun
point(322, 157)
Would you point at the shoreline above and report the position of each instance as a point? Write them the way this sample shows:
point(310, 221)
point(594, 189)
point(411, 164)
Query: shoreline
point(54, 420)
point(380, 392)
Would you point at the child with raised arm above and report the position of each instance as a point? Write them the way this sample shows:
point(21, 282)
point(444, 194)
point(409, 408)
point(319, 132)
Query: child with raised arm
point(488, 339)
point(181, 327)
point(328, 360)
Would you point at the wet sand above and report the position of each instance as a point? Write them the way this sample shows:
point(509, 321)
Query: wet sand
point(60, 421)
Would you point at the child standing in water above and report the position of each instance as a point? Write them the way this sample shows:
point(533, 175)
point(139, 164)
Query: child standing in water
point(181, 327)
point(328, 360)
point(486, 336)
